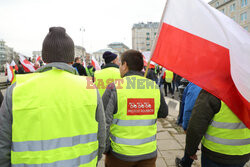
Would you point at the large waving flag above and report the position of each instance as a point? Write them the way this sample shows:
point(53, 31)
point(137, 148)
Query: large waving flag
point(209, 49)
point(95, 63)
point(27, 66)
point(10, 72)
point(14, 64)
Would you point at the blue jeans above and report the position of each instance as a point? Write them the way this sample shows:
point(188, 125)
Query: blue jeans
point(205, 162)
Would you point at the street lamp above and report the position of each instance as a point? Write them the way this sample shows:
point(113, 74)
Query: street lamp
point(82, 29)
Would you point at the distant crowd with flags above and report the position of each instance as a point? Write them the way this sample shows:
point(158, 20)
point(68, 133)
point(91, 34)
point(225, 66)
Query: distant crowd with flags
point(26, 65)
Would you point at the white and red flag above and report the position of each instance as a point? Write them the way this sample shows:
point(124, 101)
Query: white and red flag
point(146, 57)
point(209, 49)
point(14, 64)
point(27, 66)
point(38, 58)
point(95, 63)
point(10, 72)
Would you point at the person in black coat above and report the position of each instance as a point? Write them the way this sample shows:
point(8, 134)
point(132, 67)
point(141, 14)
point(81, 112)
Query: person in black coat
point(79, 67)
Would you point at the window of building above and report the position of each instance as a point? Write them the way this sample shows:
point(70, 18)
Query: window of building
point(217, 4)
point(222, 10)
point(232, 7)
point(243, 3)
point(148, 44)
point(246, 28)
point(148, 38)
point(147, 33)
point(243, 16)
point(148, 49)
point(155, 33)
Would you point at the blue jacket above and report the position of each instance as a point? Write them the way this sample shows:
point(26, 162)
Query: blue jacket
point(189, 97)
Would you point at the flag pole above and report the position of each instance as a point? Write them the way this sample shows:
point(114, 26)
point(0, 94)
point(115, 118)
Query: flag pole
point(156, 39)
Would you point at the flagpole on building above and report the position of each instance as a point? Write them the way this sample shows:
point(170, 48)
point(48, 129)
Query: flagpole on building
point(156, 39)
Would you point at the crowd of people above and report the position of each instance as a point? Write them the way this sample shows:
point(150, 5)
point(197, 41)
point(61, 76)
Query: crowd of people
point(57, 117)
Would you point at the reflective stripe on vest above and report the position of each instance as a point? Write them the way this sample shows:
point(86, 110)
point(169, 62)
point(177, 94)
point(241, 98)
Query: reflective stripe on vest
point(84, 159)
point(50, 128)
point(45, 145)
point(134, 122)
point(224, 125)
point(133, 131)
point(226, 134)
point(105, 77)
point(232, 142)
point(132, 142)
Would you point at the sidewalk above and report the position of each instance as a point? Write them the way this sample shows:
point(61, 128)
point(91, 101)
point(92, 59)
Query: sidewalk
point(170, 139)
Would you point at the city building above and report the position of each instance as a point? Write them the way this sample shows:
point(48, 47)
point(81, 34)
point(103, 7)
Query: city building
point(98, 54)
point(7, 54)
point(3, 55)
point(80, 52)
point(143, 35)
point(238, 10)
point(118, 46)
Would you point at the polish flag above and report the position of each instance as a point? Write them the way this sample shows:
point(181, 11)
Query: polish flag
point(14, 64)
point(95, 63)
point(10, 72)
point(38, 58)
point(146, 57)
point(27, 66)
point(209, 49)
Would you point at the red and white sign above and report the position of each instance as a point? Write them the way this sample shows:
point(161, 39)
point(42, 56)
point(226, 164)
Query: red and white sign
point(10, 72)
point(27, 66)
point(14, 64)
point(140, 106)
point(203, 45)
point(95, 63)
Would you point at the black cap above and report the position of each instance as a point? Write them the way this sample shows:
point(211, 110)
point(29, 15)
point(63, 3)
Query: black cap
point(109, 56)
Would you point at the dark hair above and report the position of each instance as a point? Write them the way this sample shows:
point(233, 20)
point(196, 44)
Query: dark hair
point(77, 58)
point(134, 60)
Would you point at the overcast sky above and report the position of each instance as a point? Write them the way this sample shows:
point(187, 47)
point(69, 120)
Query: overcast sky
point(25, 23)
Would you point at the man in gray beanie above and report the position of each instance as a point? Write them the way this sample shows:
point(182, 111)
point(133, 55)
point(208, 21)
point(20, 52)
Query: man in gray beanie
point(63, 125)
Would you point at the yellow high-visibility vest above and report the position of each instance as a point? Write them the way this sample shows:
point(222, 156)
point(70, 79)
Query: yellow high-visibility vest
point(105, 77)
point(226, 134)
point(133, 130)
point(169, 75)
point(54, 121)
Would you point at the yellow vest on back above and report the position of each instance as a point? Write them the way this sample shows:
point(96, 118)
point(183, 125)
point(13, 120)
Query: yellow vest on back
point(54, 121)
point(227, 134)
point(105, 77)
point(169, 76)
point(133, 131)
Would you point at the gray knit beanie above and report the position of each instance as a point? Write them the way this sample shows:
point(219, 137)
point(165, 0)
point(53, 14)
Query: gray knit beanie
point(58, 46)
